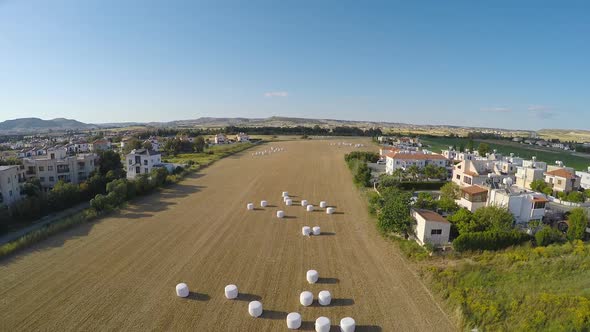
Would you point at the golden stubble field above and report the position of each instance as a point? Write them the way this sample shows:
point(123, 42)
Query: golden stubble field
point(120, 273)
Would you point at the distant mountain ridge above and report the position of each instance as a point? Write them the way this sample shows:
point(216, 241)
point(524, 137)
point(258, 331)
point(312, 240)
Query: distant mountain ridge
point(25, 124)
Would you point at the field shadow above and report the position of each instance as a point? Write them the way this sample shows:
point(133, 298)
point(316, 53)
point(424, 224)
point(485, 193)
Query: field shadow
point(273, 314)
point(248, 297)
point(271, 206)
point(198, 296)
point(289, 217)
point(327, 234)
point(328, 281)
point(308, 326)
point(338, 212)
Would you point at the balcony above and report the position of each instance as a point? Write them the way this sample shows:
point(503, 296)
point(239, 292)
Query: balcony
point(31, 172)
point(63, 170)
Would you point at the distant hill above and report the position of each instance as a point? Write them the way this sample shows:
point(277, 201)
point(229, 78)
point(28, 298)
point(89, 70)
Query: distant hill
point(578, 135)
point(28, 124)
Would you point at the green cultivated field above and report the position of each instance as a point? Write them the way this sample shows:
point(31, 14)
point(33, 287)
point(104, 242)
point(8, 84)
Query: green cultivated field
point(524, 151)
point(212, 154)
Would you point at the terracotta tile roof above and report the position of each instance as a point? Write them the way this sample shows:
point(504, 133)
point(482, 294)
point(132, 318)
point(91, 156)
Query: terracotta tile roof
point(416, 156)
point(562, 173)
point(430, 215)
point(539, 199)
point(472, 190)
point(471, 173)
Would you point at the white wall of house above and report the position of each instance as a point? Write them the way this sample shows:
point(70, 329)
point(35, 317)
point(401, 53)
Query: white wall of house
point(138, 163)
point(471, 206)
point(10, 184)
point(584, 178)
point(520, 205)
point(49, 171)
point(433, 232)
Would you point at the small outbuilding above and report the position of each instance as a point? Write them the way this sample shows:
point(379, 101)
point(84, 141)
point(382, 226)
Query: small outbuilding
point(431, 227)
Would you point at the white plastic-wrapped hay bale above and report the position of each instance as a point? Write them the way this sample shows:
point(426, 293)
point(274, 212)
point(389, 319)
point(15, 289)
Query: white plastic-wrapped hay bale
point(231, 291)
point(280, 214)
point(322, 324)
point(182, 290)
point(347, 324)
point(293, 321)
point(323, 204)
point(324, 297)
point(312, 276)
point(316, 230)
point(263, 203)
point(306, 298)
point(303, 202)
point(306, 230)
point(289, 202)
point(255, 308)
point(285, 193)
point(286, 198)
point(330, 210)
point(309, 208)
point(250, 206)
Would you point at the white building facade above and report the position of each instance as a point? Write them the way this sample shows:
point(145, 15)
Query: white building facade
point(431, 228)
point(141, 161)
point(11, 179)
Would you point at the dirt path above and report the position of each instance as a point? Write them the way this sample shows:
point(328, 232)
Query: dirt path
point(120, 273)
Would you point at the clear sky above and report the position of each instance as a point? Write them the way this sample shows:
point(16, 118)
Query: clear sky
point(511, 64)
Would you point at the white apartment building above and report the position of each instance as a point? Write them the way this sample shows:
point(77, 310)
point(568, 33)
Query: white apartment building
point(524, 205)
point(480, 172)
point(220, 139)
point(11, 178)
point(58, 166)
point(141, 161)
point(242, 137)
point(584, 178)
point(405, 159)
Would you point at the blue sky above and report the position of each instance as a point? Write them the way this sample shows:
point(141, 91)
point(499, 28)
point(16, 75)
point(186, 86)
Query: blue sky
point(511, 64)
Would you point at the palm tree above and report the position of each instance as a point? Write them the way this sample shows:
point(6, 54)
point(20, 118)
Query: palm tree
point(414, 171)
point(399, 173)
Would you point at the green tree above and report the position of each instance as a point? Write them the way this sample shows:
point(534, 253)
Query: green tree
point(147, 145)
point(395, 213)
point(547, 236)
point(399, 173)
point(483, 148)
point(489, 218)
point(576, 197)
point(578, 222)
point(131, 144)
point(430, 171)
point(470, 145)
point(538, 185)
point(63, 195)
point(32, 188)
point(199, 144)
point(450, 190)
point(425, 201)
point(110, 160)
point(461, 219)
point(413, 171)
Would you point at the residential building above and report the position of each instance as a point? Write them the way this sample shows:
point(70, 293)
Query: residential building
point(526, 175)
point(100, 145)
point(242, 137)
point(220, 139)
point(431, 227)
point(478, 172)
point(11, 178)
point(523, 204)
point(58, 166)
point(562, 179)
point(473, 197)
point(405, 159)
point(385, 150)
point(584, 178)
point(141, 161)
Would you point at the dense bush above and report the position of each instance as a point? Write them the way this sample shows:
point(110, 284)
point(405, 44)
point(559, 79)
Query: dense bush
point(360, 172)
point(394, 214)
point(489, 240)
point(547, 236)
point(366, 156)
point(425, 185)
point(578, 222)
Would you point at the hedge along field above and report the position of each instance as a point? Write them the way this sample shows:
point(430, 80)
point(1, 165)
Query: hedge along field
point(504, 147)
point(521, 289)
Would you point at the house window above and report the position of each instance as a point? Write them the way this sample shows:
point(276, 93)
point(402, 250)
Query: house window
point(50, 168)
point(130, 161)
point(467, 180)
point(51, 179)
point(42, 179)
point(436, 232)
point(146, 170)
point(41, 168)
point(539, 205)
point(145, 162)
point(558, 182)
point(458, 177)
point(137, 170)
point(10, 193)
point(8, 180)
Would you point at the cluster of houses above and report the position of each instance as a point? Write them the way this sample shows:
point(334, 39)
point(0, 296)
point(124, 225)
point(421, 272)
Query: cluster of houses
point(223, 139)
point(493, 179)
point(543, 143)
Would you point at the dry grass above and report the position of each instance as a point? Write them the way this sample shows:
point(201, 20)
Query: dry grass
point(119, 273)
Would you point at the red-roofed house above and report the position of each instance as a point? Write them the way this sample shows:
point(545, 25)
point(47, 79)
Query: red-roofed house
point(562, 179)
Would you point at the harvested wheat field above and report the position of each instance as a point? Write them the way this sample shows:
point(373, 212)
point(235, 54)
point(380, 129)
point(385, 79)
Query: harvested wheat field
point(120, 273)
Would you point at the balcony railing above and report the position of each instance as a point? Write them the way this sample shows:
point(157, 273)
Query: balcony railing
point(63, 170)
point(30, 172)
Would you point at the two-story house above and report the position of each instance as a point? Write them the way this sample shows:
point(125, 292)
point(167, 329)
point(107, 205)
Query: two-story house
point(141, 161)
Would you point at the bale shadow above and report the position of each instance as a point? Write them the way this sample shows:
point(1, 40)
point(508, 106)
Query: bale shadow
point(342, 302)
point(271, 206)
point(368, 328)
point(338, 212)
point(198, 296)
point(328, 281)
point(307, 326)
point(327, 234)
point(248, 297)
point(289, 217)
point(273, 314)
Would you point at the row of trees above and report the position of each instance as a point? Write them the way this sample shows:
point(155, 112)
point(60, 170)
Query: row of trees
point(357, 162)
point(574, 196)
point(415, 173)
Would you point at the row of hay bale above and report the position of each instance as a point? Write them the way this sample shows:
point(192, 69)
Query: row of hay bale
point(268, 152)
point(307, 231)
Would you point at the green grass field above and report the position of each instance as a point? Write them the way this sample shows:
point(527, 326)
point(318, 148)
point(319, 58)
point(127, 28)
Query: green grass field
point(211, 155)
point(521, 150)
point(520, 289)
